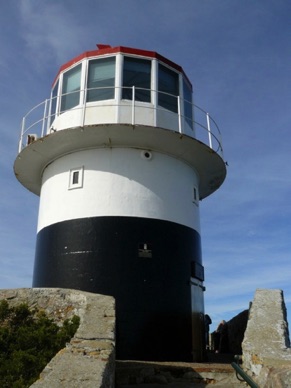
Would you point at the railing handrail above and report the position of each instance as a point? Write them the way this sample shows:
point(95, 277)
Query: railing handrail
point(46, 116)
point(243, 374)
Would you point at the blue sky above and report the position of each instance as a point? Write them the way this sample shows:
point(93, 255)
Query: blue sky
point(237, 54)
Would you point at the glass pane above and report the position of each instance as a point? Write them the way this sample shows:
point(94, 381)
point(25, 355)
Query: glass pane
point(71, 83)
point(137, 72)
point(188, 110)
point(101, 79)
point(168, 88)
point(75, 177)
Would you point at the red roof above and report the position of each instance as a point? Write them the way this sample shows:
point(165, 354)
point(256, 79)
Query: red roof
point(104, 49)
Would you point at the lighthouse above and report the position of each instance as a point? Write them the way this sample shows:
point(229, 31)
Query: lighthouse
point(120, 158)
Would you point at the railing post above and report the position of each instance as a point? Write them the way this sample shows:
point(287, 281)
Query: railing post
point(49, 115)
point(179, 114)
point(44, 117)
point(21, 134)
point(84, 109)
point(209, 130)
point(220, 145)
point(133, 106)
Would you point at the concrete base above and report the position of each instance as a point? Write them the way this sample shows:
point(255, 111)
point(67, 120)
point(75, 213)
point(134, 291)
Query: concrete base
point(184, 375)
point(266, 345)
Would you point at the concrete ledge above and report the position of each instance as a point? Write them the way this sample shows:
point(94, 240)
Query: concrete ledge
point(89, 359)
point(175, 374)
point(266, 344)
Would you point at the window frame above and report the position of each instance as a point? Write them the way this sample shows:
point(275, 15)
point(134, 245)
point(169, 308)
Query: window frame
point(79, 183)
point(90, 90)
point(65, 103)
point(142, 94)
point(167, 97)
point(188, 103)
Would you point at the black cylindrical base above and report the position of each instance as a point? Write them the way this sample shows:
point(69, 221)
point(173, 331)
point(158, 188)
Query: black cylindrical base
point(144, 263)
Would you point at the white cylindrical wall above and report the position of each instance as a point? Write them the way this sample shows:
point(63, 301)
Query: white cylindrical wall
point(119, 182)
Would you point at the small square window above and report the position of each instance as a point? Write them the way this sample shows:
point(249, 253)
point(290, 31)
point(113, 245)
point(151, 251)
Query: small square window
point(195, 198)
point(76, 178)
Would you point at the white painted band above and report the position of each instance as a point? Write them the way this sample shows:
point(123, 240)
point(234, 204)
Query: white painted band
point(119, 182)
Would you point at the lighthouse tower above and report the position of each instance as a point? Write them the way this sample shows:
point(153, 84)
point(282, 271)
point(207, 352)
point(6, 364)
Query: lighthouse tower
point(120, 158)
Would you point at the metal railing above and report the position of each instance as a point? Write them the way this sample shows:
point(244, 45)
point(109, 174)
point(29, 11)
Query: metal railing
point(243, 374)
point(38, 121)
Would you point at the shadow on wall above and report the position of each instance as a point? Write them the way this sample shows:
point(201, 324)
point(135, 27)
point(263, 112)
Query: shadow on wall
point(176, 374)
point(236, 330)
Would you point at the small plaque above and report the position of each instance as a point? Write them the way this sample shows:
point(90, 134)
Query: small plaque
point(145, 250)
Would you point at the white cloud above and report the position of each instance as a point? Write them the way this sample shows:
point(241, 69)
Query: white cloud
point(50, 30)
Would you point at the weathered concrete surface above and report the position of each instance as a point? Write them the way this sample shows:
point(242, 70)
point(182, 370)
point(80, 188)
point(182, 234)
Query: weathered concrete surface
point(89, 359)
point(266, 345)
point(175, 374)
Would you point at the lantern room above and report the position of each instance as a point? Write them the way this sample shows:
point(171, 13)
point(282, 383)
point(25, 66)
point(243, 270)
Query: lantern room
point(101, 86)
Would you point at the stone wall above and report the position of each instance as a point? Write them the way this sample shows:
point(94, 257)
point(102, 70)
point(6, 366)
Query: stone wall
point(266, 344)
point(236, 330)
point(89, 359)
point(235, 333)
